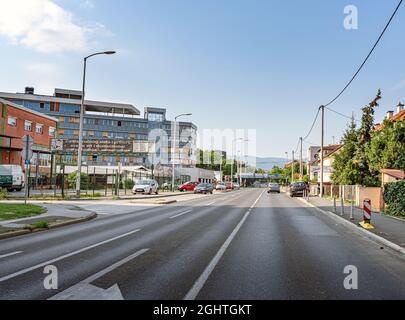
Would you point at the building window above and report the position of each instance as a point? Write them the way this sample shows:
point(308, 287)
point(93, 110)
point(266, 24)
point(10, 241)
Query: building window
point(41, 105)
point(12, 121)
point(155, 117)
point(52, 131)
point(39, 128)
point(28, 126)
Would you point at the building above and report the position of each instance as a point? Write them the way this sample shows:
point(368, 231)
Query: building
point(391, 175)
point(328, 159)
point(16, 122)
point(114, 133)
point(392, 117)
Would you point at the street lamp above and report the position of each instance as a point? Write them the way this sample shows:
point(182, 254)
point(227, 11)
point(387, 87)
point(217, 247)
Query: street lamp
point(79, 149)
point(174, 142)
point(233, 157)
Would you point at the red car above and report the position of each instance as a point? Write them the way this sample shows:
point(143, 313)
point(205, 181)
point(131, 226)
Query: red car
point(229, 185)
point(188, 186)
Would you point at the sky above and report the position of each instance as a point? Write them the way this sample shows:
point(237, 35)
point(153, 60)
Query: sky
point(265, 65)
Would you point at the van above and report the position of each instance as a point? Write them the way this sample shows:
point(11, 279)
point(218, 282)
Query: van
point(12, 177)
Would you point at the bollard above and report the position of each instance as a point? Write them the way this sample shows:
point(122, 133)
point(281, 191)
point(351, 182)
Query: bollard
point(334, 204)
point(366, 223)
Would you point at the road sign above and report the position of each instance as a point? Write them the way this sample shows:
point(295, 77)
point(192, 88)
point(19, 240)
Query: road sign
point(28, 143)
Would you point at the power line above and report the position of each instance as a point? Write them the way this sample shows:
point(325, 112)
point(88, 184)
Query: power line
point(313, 125)
point(368, 56)
point(343, 115)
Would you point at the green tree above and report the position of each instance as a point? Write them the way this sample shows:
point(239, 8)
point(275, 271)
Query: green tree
point(367, 175)
point(84, 180)
point(344, 169)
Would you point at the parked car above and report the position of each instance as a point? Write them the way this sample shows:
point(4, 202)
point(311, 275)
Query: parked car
point(165, 186)
point(236, 186)
point(297, 189)
point(221, 186)
point(12, 177)
point(188, 186)
point(204, 188)
point(229, 186)
point(148, 186)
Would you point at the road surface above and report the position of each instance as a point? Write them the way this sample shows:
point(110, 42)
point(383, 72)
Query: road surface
point(241, 245)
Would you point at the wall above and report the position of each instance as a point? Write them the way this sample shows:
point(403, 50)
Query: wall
point(374, 194)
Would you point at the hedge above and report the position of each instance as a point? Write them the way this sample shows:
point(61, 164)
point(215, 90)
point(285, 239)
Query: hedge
point(394, 197)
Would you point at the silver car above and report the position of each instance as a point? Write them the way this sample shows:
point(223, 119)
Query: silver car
point(146, 186)
point(274, 187)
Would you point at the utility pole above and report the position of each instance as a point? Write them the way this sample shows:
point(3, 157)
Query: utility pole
point(292, 168)
point(301, 164)
point(322, 146)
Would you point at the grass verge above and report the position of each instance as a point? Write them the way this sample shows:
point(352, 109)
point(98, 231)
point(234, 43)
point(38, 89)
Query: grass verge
point(17, 211)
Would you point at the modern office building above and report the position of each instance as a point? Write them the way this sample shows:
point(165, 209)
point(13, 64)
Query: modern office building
point(114, 133)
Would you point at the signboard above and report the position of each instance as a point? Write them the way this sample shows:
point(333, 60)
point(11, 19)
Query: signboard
point(28, 143)
point(57, 145)
point(99, 145)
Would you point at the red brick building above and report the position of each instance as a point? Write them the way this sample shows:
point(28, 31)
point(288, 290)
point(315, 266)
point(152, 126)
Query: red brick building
point(17, 121)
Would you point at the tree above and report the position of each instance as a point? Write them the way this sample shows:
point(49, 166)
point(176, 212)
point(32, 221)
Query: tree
point(387, 147)
point(367, 176)
point(84, 180)
point(344, 170)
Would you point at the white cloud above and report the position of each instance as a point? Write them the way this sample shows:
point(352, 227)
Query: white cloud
point(399, 86)
point(44, 26)
point(89, 4)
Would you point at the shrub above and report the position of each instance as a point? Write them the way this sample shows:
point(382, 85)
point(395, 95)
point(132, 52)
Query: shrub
point(3, 193)
point(394, 197)
point(84, 180)
point(129, 184)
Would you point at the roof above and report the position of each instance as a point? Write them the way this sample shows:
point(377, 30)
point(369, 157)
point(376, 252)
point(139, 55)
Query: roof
point(27, 110)
point(398, 174)
point(400, 116)
point(95, 106)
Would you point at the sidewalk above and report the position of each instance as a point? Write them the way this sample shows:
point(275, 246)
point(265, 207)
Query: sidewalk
point(56, 215)
point(390, 228)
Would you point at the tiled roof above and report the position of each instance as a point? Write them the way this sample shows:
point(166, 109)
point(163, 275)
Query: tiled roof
point(399, 174)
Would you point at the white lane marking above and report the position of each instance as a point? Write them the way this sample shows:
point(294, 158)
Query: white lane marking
point(75, 291)
point(43, 264)
point(209, 204)
point(180, 214)
point(198, 285)
point(10, 254)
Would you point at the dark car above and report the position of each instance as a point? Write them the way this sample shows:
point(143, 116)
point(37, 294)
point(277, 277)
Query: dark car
point(204, 188)
point(298, 189)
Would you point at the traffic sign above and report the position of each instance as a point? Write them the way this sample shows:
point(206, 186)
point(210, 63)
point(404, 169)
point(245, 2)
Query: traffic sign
point(28, 143)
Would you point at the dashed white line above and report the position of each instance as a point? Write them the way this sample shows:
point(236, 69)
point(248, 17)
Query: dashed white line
point(10, 254)
point(209, 204)
point(198, 285)
point(43, 264)
point(180, 214)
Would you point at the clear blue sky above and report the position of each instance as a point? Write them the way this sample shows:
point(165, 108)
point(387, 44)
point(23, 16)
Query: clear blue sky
point(248, 64)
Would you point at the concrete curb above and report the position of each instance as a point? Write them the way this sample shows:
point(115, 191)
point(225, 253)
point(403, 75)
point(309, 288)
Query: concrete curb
point(17, 233)
point(357, 229)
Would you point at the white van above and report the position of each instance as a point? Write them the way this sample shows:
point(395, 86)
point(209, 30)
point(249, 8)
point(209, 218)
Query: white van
point(16, 172)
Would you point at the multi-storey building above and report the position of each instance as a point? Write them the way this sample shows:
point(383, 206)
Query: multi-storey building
point(114, 133)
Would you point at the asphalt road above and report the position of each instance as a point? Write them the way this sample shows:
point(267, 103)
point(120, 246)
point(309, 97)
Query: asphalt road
point(241, 245)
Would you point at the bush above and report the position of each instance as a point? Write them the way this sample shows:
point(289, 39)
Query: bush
point(3, 193)
point(394, 198)
point(129, 184)
point(84, 181)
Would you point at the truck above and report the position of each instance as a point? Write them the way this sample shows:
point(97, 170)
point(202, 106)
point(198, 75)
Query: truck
point(11, 177)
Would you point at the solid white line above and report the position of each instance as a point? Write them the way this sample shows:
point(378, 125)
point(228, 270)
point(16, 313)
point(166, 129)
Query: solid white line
point(70, 292)
point(180, 214)
point(198, 285)
point(10, 254)
point(209, 204)
point(43, 264)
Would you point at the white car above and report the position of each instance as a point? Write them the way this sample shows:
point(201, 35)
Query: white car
point(220, 186)
point(147, 186)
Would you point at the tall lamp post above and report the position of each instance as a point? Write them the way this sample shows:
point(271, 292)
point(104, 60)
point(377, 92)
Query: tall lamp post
point(233, 157)
point(174, 143)
point(79, 149)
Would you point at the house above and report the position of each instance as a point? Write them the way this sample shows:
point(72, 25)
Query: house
point(392, 117)
point(391, 175)
point(328, 159)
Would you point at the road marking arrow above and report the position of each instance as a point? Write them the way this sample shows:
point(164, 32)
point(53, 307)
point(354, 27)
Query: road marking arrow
point(84, 290)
